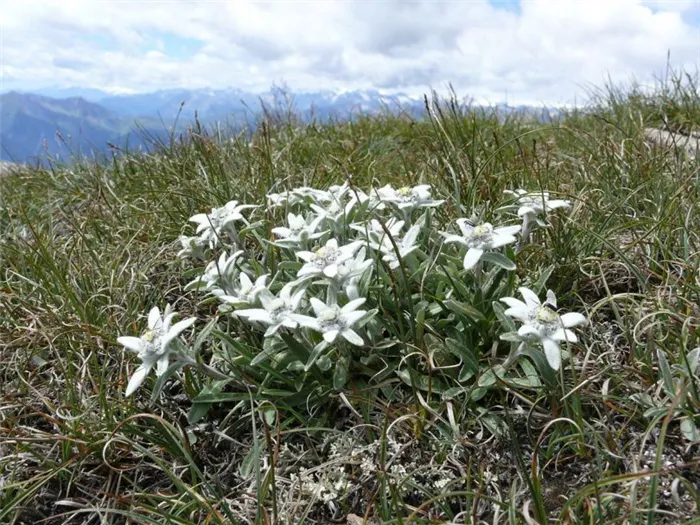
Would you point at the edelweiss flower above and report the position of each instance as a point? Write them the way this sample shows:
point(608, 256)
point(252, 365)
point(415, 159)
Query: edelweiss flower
point(375, 233)
point(333, 321)
point(276, 311)
point(542, 324)
point(247, 291)
point(530, 206)
point(334, 212)
point(153, 346)
point(536, 202)
point(298, 230)
point(280, 199)
point(407, 198)
point(211, 225)
point(351, 271)
point(217, 273)
point(192, 247)
point(405, 246)
point(480, 238)
point(325, 260)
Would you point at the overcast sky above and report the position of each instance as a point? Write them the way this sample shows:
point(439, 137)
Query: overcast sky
point(526, 51)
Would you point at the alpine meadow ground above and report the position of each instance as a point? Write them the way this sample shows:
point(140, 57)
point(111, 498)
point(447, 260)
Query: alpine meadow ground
point(351, 345)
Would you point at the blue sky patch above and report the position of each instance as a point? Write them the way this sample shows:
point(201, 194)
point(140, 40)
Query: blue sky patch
point(507, 5)
point(172, 45)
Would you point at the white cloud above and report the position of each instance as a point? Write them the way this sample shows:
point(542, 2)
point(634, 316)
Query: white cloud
point(544, 52)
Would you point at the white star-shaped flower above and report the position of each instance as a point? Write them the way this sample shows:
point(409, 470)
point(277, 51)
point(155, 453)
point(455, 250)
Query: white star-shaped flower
point(217, 275)
point(153, 346)
point(333, 321)
point(276, 311)
point(405, 245)
point(211, 225)
point(542, 324)
point(298, 230)
point(326, 259)
point(408, 198)
point(480, 238)
point(247, 291)
point(535, 203)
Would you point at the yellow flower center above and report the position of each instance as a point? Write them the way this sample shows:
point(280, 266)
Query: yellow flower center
point(546, 315)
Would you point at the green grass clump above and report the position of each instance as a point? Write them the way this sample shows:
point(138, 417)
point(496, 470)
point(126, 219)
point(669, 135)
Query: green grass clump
point(88, 249)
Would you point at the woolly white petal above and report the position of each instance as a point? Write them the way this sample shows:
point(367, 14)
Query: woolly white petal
point(352, 305)
point(330, 336)
point(508, 230)
point(530, 297)
point(455, 238)
point(472, 257)
point(255, 314)
point(573, 319)
point(528, 331)
point(154, 317)
point(562, 334)
point(178, 328)
point(137, 379)
point(513, 302)
point(131, 343)
point(519, 312)
point(498, 240)
point(553, 353)
point(162, 365)
point(352, 337)
point(331, 270)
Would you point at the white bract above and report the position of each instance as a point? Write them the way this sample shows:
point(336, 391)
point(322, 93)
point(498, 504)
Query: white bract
point(333, 321)
point(276, 311)
point(535, 203)
point(298, 230)
point(480, 238)
point(375, 233)
point(217, 274)
point(153, 346)
point(247, 291)
point(542, 324)
point(193, 247)
point(406, 197)
point(405, 246)
point(326, 259)
point(211, 225)
point(351, 271)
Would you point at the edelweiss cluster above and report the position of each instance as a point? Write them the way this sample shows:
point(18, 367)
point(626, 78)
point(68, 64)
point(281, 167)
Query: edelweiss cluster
point(312, 279)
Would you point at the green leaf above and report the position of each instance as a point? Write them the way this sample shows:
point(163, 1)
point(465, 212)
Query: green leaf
point(499, 260)
point(546, 372)
point(470, 362)
point(505, 320)
point(530, 373)
point(251, 461)
point(463, 309)
point(665, 369)
point(477, 394)
point(512, 337)
point(203, 335)
point(315, 353)
point(160, 382)
point(689, 430)
point(297, 348)
point(539, 285)
point(199, 410)
point(340, 375)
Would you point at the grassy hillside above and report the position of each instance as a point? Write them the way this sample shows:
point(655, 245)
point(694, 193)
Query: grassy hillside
point(612, 438)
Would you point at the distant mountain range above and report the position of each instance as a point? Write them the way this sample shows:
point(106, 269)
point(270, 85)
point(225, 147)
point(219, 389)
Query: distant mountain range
point(76, 121)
